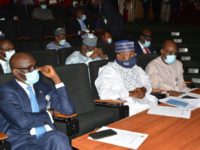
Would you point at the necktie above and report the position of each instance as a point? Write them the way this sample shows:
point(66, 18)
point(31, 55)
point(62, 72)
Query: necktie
point(146, 50)
point(35, 108)
point(33, 100)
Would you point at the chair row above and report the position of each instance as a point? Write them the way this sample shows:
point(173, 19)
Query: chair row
point(24, 12)
point(31, 29)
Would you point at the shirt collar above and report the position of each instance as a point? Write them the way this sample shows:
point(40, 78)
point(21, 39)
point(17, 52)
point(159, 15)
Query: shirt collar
point(23, 85)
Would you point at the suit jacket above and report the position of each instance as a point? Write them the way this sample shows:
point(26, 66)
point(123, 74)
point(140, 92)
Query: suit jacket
point(75, 26)
point(16, 114)
point(139, 50)
point(115, 23)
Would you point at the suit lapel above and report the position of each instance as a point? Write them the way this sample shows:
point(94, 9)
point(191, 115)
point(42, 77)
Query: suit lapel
point(25, 101)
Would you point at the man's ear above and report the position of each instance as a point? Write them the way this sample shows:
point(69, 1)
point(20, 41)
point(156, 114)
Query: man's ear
point(118, 56)
point(162, 52)
point(19, 75)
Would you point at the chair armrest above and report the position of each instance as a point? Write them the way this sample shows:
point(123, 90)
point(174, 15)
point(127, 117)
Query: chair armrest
point(59, 115)
point(110, 102)
point(3, 136)
point(196, 91)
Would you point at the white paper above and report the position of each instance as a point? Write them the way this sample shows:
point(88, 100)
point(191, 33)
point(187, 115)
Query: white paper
point(192, 103)
point(124, 138)
point(170, 111)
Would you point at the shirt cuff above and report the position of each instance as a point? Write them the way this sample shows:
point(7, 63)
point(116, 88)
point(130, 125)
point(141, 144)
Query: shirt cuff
point(48, 127)
point(79, 32)
point(50, 116)
point(59, 85)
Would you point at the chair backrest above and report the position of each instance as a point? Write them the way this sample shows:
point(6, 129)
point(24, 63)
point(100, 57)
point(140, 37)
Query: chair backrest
point(94, 69)
point(4, 78)
point(64, 53)
point(75, 77)
point(27, 46)
point(143, 60)
point(48, 57)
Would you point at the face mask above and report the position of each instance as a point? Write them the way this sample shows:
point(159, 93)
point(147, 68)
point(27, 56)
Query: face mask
point(127, 64)
point(9, 54)
point(89, 53)
point(74, 3)
point(43, 6)
point(62, 42)
point(83, 17)
point(170, 59)
point(32, 77)
point(109, 40)
point(147, 43)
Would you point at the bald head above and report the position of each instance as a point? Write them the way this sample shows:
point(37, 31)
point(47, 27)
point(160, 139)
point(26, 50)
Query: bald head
point(6, 45)
point(21, 60)
point(169, 48)
point(169, 44)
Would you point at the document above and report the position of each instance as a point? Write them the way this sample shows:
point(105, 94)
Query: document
point(123, 138)
point(187, 101)
point(170, 111)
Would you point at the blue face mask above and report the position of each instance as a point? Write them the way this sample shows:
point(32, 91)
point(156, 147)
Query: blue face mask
point(147, 43)
point(170, 59)
point(127, 64)
point(32, 77)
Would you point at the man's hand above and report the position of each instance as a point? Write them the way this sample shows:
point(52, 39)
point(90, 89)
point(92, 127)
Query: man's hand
point(138, 93)
point(174, 93)
point(49, 72)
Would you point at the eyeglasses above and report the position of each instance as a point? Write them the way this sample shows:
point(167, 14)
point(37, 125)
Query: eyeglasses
point(30, 68)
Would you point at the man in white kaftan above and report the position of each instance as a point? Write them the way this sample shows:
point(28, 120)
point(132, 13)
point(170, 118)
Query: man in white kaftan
point(88, 52)
point(124, 80)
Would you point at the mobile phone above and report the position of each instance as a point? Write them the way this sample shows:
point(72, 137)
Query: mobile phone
point(102, 134)
point(189, 97)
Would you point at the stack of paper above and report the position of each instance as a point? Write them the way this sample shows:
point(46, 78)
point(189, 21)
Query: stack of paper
point(124, 138)
point(170, 111)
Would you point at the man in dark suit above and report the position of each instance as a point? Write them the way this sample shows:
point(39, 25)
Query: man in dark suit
point(144, 45)
point(24, 104)
point(110, 15)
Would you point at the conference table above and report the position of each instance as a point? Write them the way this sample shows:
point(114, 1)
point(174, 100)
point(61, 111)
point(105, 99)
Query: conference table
point(164, 133)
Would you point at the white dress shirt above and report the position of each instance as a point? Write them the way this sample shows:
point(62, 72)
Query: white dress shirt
point(5, 66)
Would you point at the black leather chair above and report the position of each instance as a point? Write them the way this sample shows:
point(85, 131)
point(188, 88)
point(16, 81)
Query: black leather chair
point(64, 53)
point(48, 57)
point(143, 60)
point(123, 111)
point(90, 116)
point(27, 46)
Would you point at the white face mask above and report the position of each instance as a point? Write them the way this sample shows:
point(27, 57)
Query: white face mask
point(43, 6)
point(89, 53)
point(32, 77)
point(147, 43)
point(9, 54)
point(109, 40)
point(83, 17)
point(170, 59)
point(62, 42)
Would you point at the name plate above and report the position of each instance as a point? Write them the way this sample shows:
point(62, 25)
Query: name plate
point(183, 50)
point(175, 33)
point(193, 70)
point(178, 40)
point(196, 80)
point(185, 58)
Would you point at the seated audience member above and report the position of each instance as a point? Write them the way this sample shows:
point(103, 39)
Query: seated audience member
point(165, 72)
point(124, 80)
point(7, 49)
point(42, 12)
point(24, 102)
point(59, 40)
point(88, 52)
point(106, 44)
point(144, 45)
point(78, 25)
